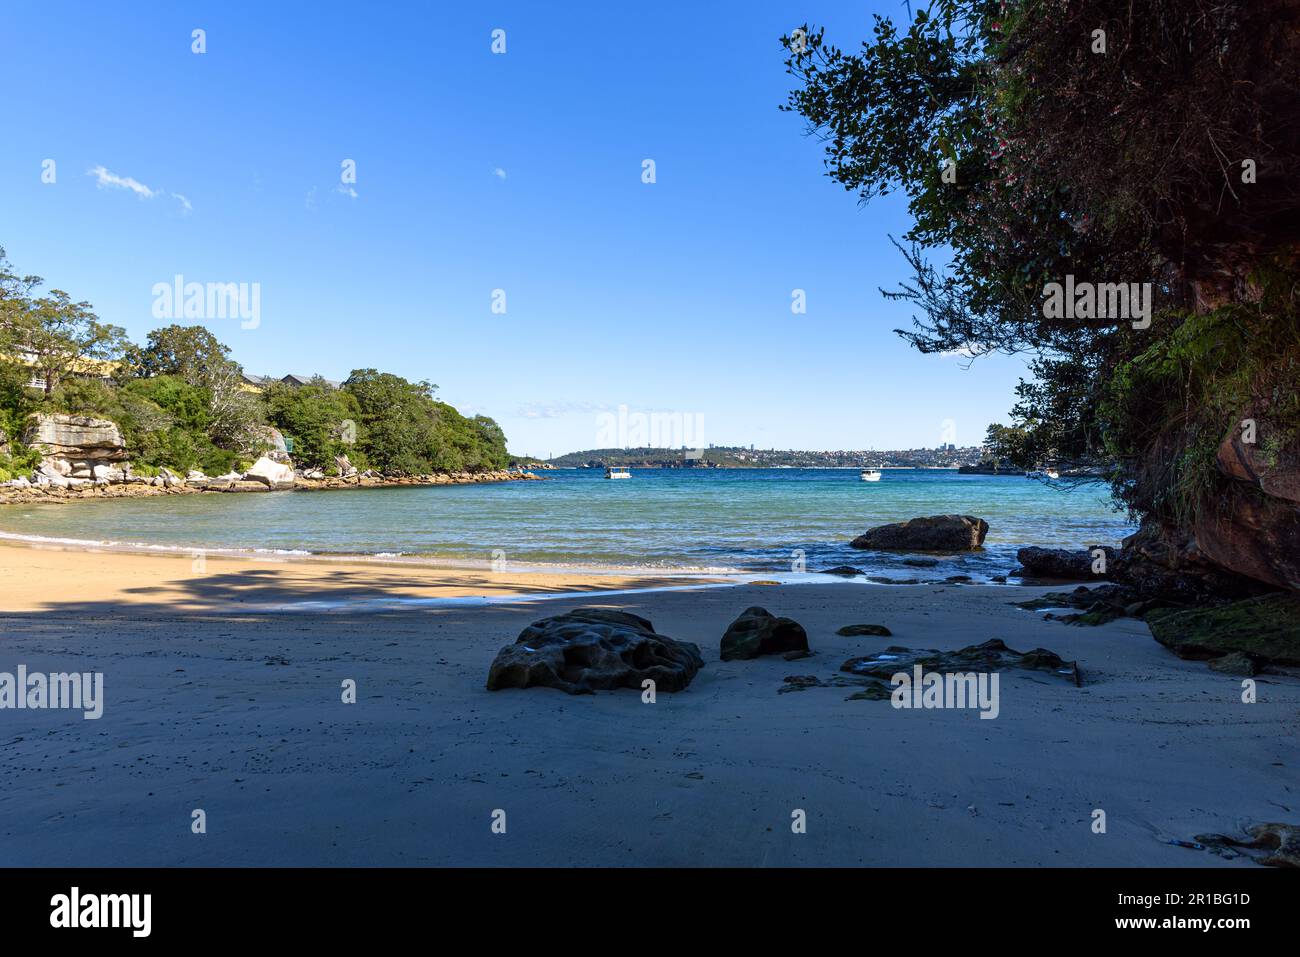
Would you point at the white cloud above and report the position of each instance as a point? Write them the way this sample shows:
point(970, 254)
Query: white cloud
point(346, 190)
point(105, 178)
point(499, 173)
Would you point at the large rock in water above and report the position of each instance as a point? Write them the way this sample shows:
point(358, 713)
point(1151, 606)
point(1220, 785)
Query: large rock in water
point(74, 444)
point(594, 649)
point(269, 473)
point(937, 533)
point(758, 632)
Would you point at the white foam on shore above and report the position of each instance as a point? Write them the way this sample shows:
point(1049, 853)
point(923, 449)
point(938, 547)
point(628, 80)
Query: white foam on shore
point(387, 558)
point(111, 545)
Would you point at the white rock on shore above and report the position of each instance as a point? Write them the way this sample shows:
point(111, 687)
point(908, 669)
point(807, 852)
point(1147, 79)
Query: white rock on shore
point(269, 473)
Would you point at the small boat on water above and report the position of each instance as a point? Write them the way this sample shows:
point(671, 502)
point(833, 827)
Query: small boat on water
point(612, 473)
point(869, 475)
point(1043, 474)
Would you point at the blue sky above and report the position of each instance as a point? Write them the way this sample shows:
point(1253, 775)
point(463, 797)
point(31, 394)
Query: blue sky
point(474, 172)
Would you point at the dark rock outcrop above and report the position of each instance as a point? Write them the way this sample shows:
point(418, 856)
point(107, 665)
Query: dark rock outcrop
point(1265, 629)
point(594, 649)
point(1252, 534)
point(935, 533)
point(1063, 563)
point(1155, 564)
point(1247, 538)
point(1096, 605)
point(1277, 475)
point(992, 655)
point(851, 631)
point(844, 571)
point(758, 632)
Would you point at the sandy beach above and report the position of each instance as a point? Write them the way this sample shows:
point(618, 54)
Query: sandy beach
point(49, 577)
point(214, 700)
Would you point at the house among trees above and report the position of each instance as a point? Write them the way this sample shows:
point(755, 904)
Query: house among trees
point(101, 370)
point(256, 383)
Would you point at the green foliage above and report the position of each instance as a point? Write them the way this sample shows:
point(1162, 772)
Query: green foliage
point(1167, 409)
point(314, 416)
point(402, 429)
point(1115, 166)
point(163, 420)
point(179, 400)
point(16, 400)
point(191, 353)
point(58, 336)
point(397, 420)
point(1009, 444)
point(188, 405)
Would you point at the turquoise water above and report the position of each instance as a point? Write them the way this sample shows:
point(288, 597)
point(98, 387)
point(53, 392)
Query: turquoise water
point(748, 519)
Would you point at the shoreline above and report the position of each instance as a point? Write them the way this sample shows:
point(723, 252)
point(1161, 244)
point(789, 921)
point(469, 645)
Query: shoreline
point(41, 576)
point(450, 577)
point(34, 577)
point(93, 492)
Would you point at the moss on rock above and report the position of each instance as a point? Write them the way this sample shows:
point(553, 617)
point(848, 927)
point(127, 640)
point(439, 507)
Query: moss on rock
point(1267, 629)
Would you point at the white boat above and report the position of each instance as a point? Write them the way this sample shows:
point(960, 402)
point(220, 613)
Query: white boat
point(612, 473)
point(1043, 474)
point(869, 475)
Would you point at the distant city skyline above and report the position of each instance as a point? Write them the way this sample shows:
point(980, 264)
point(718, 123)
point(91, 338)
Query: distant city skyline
point(547, 236)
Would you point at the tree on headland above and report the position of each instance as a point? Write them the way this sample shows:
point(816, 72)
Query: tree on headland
point(190, 352)
point(196, 356)
point(53, 334)
point(397, 418)
point(313, 415)
point(403, 429)
point(1092, 144)
point(182, 402)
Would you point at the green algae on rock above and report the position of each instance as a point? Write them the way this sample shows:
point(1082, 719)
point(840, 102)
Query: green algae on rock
point(1266, 629)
